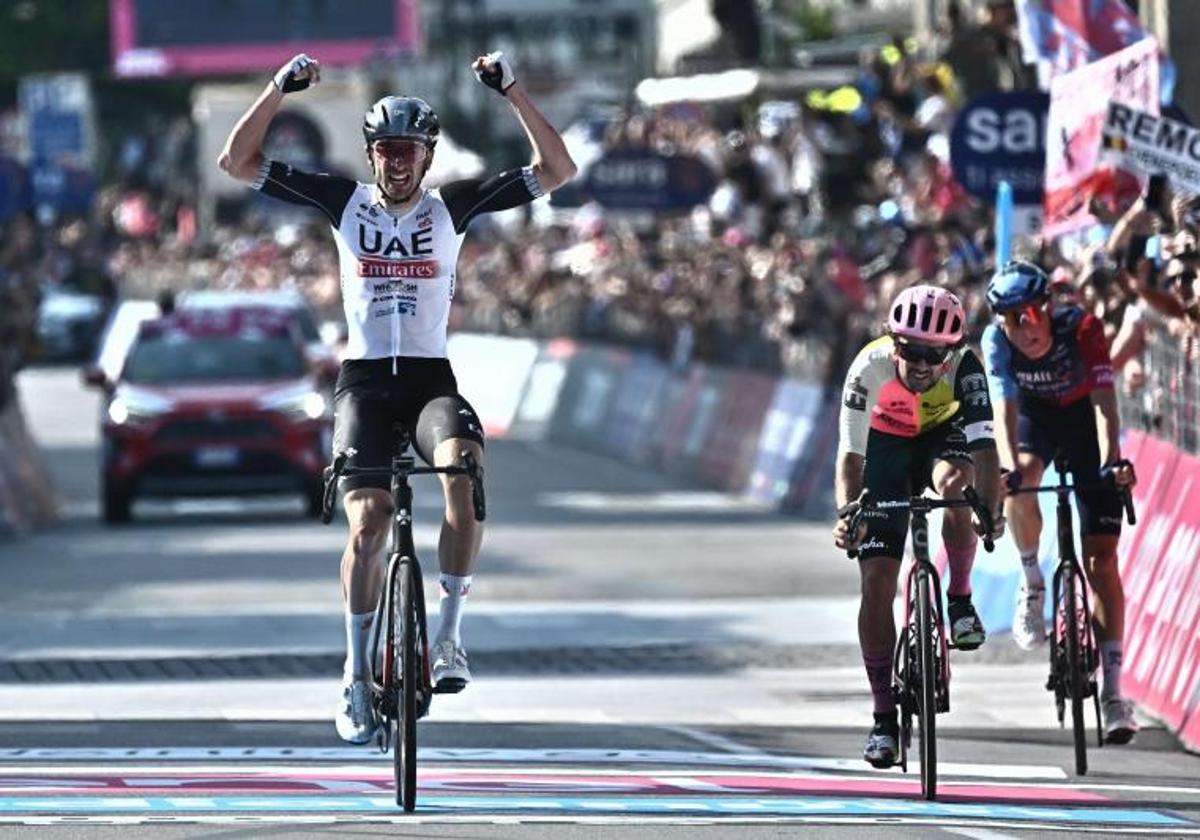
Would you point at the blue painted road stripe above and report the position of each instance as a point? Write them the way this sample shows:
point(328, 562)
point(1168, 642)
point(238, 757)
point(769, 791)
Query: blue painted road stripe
point(745, 806)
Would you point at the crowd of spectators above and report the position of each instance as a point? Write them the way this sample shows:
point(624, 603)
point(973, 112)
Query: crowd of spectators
point(824, 208)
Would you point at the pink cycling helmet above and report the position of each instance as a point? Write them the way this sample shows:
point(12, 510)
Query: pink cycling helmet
point(927, 313)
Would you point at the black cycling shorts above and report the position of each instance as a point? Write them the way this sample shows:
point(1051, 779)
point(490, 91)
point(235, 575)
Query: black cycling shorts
point(898, 468)
point(421, 396)
point(1044, 429)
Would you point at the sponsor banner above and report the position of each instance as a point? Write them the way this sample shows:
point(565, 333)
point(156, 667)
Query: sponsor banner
point(635, 407)
point(543, 388)
point(1155, 462)
point(1078, 107)
point(787, 429)
point(592, 378)
point(809, 473)
point(692, 418)
point(491, 372)
point(1140, 140)
point(1001, 137)
point(645, 180)
point(1162, 632)
point(733, 439)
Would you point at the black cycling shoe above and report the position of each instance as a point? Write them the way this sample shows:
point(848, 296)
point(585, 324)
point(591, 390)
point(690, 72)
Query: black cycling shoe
point(966, 630)
point(883, 744)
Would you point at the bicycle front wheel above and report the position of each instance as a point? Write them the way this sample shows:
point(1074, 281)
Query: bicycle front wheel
point(927, 710)
point(1072, 598)
point(404, 751)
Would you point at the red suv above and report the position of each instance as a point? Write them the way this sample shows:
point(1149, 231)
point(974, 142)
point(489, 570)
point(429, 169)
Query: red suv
point(214, 403)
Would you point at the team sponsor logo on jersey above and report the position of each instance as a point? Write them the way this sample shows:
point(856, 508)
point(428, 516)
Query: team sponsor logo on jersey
point(974, 382)
point(410, 269)
point(855, 396)
point(425, 219)
point(418, 244)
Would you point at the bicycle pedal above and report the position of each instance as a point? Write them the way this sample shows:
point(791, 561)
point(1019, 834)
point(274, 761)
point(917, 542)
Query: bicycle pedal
point(449, 685)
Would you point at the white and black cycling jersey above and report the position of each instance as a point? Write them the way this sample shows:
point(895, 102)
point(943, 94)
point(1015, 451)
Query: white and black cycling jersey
point(397, 271)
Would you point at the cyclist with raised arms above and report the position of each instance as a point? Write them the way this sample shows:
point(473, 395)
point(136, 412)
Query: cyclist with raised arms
point(398, 247)
point(915, 413)
point(1052, 389)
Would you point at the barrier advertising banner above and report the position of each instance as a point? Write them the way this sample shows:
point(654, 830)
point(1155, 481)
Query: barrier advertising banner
point(786, 431)
point(1078, 107)
point(543, 390)
point(491, 372)
point(635, 408)
point(732, 443)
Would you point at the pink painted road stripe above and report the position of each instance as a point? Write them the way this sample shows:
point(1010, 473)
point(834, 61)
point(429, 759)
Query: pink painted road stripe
point(173, 780)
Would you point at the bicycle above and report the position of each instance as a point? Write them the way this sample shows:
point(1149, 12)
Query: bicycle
point(921, 666)
point(1074, 654)
point(400, 679)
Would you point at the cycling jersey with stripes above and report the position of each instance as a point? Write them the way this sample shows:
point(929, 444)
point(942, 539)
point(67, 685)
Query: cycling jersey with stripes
point(874, 398)
point(397, 271)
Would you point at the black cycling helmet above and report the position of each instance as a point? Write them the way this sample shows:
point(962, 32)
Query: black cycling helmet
point(1016, 284)
point(401, 116)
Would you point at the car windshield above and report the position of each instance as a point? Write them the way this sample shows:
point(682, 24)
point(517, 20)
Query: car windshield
point(174, 359)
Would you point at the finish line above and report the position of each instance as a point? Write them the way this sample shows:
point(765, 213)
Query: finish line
point(691, 806)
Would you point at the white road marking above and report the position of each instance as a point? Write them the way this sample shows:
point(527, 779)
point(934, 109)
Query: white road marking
point(980, 834)
point(712, 739)
point(679, 501)
point(527, 757)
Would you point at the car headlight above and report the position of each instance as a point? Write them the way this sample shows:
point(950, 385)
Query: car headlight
point(299, 405)
point(131, 408)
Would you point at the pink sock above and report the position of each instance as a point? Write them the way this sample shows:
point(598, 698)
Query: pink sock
point(960, 560)
point(879, 674)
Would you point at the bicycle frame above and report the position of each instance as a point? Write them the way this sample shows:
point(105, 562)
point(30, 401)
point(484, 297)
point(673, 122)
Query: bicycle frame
point(924, 627)
point(1072, 624)
point(403, 554)
point(924, 573)
point(1072, 616)
point(401, 698)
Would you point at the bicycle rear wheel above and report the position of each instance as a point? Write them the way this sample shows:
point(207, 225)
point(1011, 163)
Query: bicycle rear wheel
point(927, 705)
point(1076, 678)
point(404, 740)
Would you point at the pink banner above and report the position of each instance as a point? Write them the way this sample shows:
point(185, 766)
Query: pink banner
point(1078, 105)
point(1162, 663)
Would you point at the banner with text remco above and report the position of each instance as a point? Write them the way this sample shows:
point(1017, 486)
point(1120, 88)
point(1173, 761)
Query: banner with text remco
point(1153, 144)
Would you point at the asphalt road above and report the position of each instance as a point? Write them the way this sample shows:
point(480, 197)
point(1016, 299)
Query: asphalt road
point(651, 660)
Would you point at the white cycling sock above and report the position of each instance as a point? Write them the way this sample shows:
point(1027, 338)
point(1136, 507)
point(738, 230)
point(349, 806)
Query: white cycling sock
point(455, 589)
point(1033, 572)
point(1112, 654)
point(358, 639)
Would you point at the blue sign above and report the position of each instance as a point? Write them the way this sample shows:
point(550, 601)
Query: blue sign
point(1002, 137)
point(640, 180)
point(65, 189)
point(14, 188)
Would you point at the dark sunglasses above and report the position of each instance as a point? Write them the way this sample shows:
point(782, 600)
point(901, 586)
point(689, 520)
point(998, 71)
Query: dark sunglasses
point(923, 353)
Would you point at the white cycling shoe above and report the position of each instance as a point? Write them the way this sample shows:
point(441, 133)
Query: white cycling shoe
point(1029, 623)
point(355, 714)
point(450, 672)
point(1120, 726)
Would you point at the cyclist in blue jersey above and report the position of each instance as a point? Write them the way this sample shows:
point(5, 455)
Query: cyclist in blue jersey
point(1051, 377)
point(398, 247)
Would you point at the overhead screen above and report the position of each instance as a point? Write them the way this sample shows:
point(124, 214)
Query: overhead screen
point(152, 38)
